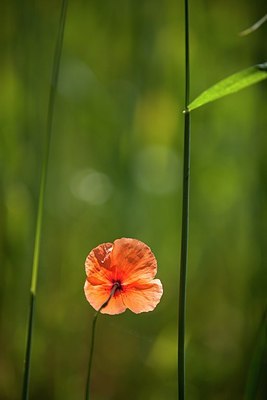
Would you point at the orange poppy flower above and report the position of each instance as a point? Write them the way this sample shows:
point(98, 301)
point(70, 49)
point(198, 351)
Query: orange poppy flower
point(124, 270)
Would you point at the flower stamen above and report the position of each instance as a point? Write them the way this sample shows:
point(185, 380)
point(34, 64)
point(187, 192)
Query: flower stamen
point(116, 286)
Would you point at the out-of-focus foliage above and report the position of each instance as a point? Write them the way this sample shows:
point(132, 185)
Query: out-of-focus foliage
point(115, 170)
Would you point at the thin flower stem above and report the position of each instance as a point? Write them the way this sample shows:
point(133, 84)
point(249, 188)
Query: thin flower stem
point(36, 255)
point(88, 380)
point(185, 219)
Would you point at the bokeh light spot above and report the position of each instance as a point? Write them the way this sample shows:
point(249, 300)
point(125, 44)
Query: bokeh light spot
point(91, 186)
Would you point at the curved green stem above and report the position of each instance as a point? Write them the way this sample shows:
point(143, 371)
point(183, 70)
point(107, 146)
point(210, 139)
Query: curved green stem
point(36, 255)
point(185, 219)
point(88, 380)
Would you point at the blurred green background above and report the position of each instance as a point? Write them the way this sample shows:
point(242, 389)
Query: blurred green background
point(115, 171)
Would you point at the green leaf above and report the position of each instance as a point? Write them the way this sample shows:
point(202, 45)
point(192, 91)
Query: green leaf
point(232, 84)
point(254, 27)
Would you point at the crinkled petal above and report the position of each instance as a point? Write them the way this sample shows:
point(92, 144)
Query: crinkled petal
point(133, 261)
point(142, 297)
point(98, 264)
point(98, 294)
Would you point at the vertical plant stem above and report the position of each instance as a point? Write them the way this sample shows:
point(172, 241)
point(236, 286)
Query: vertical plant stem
point(185, 219)
point(88, 379)
point(37, 241)
point(257, 361)
point(26, 375)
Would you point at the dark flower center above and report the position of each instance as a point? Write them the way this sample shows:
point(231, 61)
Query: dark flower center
point(116, 285)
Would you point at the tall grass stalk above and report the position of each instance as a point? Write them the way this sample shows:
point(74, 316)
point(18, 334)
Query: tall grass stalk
point(185, 217)
point(37, 241)
point(257, 361)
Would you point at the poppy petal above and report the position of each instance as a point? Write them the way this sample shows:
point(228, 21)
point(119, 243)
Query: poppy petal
point(133, 261)
point(98, 263)
point(142, 297)
point(98, 294)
